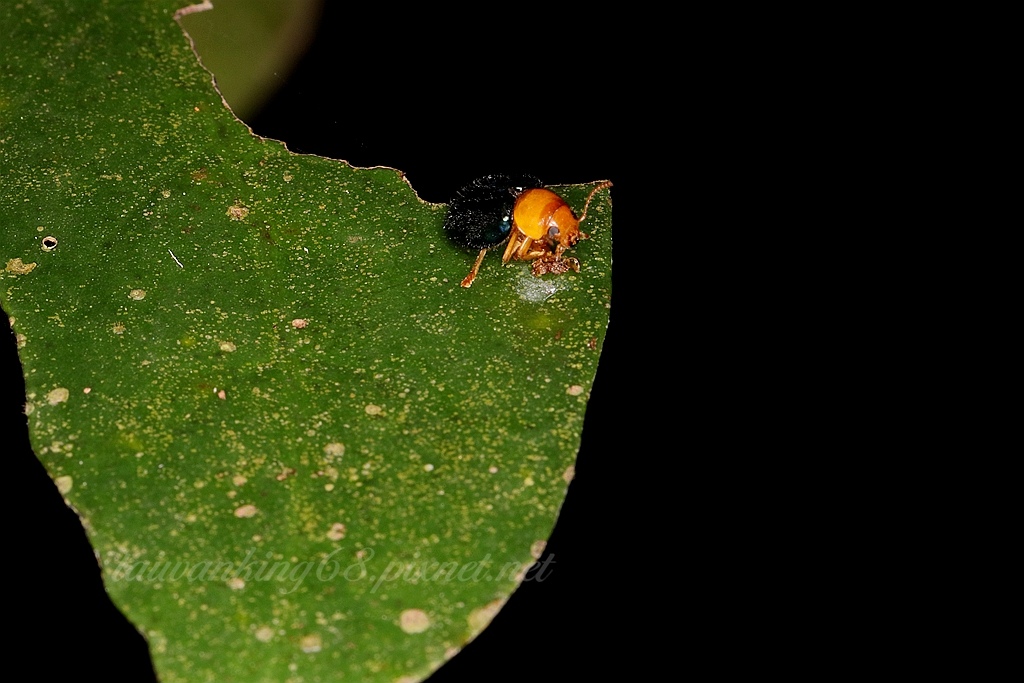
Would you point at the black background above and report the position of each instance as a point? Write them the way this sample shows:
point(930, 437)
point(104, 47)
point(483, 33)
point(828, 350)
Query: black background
point(551, 96)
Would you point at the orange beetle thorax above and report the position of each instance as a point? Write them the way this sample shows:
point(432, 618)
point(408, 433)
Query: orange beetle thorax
point(542, 214)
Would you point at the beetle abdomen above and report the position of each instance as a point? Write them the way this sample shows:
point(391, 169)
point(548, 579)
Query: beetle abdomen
point(480, 214)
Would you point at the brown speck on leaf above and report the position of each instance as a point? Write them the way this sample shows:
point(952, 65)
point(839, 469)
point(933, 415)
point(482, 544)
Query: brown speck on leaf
point(237, 212)
point(285, 473)
point(558, 335)
point(199, 175)
point(592, 343)
point(574, 390)
point(16, 267)
point(373, 409)
point(299, 323)
point(337, 531)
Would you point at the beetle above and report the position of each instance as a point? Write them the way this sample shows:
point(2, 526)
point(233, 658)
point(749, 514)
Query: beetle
point(537, 224)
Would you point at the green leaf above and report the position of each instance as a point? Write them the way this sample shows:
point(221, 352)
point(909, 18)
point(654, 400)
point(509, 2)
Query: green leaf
point(299, 448)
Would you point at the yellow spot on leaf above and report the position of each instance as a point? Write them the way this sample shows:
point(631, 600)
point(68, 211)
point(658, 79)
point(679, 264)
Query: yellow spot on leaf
point(414, 621)
point(16, 267)
point(246, 511)
point(58, 395)
point(481, 616)
point(310, 643)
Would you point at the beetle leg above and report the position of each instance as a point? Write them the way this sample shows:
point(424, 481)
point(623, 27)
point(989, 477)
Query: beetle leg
point(515, 246)
point(468, 280)
point(543, 251)
point(523, 254)
point(510, 248)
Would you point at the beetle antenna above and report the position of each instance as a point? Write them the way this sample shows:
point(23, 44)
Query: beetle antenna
point(596, 189)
